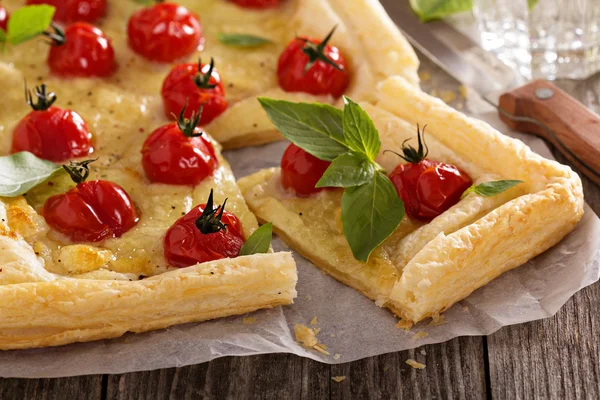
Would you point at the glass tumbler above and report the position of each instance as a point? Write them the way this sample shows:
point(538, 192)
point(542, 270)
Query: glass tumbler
point(542, 38)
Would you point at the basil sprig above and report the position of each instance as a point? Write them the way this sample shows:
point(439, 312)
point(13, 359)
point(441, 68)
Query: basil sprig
point(428, 10)
point(371, 207)
point(26, 23)
point(23, 171)
point(489, 189)
point(242, 40)
point(259, 241)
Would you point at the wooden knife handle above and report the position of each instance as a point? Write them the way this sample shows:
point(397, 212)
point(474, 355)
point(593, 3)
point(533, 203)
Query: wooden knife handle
point(575, 130)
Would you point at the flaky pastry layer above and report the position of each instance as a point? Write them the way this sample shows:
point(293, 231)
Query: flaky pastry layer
point(422, 270)
point(52, 313)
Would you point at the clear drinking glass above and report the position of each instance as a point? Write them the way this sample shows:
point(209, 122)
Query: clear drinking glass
point(544, 38)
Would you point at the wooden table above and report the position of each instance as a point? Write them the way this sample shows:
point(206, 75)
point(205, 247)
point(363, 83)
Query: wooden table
point(558, 357)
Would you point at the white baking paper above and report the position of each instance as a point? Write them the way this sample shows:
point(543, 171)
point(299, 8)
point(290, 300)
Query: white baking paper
point(352, 326)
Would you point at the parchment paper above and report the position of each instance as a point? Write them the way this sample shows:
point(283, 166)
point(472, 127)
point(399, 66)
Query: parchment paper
point(352, 326)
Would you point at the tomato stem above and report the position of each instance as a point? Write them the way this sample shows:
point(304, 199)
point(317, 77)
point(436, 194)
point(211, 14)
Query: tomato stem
point(210, 221)
point(57, 38)
point(79, 171)
point(44, 100)
point(201, 80)
point(188, 126)
point(409, 153)
point(316, 52)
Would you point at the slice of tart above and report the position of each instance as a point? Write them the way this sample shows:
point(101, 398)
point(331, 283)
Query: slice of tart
point(519, 204)
point(130, 239)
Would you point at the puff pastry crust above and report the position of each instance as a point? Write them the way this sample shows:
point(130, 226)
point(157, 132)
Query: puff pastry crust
point(54, 292)
point(422, 270)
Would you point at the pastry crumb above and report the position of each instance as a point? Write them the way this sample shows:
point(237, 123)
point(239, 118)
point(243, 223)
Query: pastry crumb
point(437, 320)
point(404, 324)
point(305, 335)
point(462, 89)
point(424, 76)
point(337, 356)
point(248, 320)
point(332, 335)
point(423, 352)
point(415, 364)
point(338, 379)
point(420, 335)
point(313, 321)
point(447, 96)
point(321, 348)
point(308, 338)
point(308, 297)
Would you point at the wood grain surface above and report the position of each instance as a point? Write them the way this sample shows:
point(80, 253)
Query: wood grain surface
point(555, 358)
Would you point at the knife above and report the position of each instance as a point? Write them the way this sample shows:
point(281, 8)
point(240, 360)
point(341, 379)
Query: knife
point(538, 107)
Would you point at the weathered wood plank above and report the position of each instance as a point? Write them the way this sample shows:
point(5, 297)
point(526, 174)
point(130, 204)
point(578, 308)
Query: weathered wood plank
point(256, 377)
point(557, 357)
point(454, 369)
point(79, 387)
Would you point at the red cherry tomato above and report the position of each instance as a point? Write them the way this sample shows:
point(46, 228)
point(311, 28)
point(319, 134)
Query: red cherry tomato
point(91, 212)
point(86, 52)
point(427, 188)
point(300, 171)
point(194, 85)
point(186, 245)
point(3, 18)
point(327, 75)
point(164, 32)
point(169, 156)
point(51, 133)
point(257, 3)
point(69, 11)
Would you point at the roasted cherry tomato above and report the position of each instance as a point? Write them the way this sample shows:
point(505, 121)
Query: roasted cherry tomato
point(82, 50)
point(300, 171)
point(69, 11)
point(3, 18)
point(312, 66)
point(258, 4)
point(51, 133)
point(204, 234)
point(195, 85)
point(164, 32)
point(92, 211)
point(427, 188)
point(179, 153)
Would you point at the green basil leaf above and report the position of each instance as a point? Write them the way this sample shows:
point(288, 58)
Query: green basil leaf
point(259, 241)
point(242, 40)
point(23, 171)
point(28, 22)
point(489, 189)
point(359, 131)
point(370, 214)
point(316, 128)
point(428, 10)
point(348, 170)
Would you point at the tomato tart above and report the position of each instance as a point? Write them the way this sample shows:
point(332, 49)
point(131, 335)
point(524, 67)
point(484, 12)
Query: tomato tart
point(137, 56)
point(475, 203)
